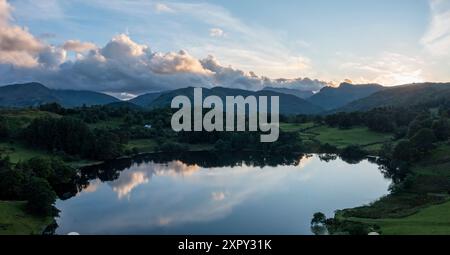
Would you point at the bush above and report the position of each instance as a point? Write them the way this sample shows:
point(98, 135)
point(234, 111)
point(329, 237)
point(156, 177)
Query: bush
point(173, 147)
point(5, 130)
point(12, 183)
point(353, 153)
point(40, 196)
point(423, 140)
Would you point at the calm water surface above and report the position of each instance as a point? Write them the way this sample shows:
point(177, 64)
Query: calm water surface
point(216, 194)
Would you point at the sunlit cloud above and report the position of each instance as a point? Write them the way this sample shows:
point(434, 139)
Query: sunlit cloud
point(77, 46)
point(388, 69)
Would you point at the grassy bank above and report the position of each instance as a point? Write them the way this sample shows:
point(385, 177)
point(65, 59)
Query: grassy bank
point(421, 207)
point(15, 221)
point(432, 220)
point(340, 138)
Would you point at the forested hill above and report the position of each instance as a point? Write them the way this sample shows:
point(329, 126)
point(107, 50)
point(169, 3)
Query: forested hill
point(401, 96)
point(35, 94)
point(332, 98)
point(289, 104)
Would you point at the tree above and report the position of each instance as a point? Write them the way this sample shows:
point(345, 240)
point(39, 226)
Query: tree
point(40, 196)
point(318, 219)
point(222, 145)
point(423, 140)
point(41, 167)
point(5, 130)
point(441, 129)
point(12, 183)
point(403, 151)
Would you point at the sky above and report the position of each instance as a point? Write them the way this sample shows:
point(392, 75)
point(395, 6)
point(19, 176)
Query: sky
point(137, 46)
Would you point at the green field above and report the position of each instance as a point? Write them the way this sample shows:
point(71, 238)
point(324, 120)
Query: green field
point(142, 145)
point(433, 220)
point(344, 137)
point(14, 220)
point(340, 138)
point(293, 127)
point(18, 152)
point(423, 208)
point(18, 119)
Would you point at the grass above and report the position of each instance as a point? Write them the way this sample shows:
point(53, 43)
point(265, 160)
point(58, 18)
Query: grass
point(142, 145)
point(433, 220)
point(18, 119)
point(342, 138)
point(15, 221)
point(18, 152)
point(422, 208)
point(294, 127)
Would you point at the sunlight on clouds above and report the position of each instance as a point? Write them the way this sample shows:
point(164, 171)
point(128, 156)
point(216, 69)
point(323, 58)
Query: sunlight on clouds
point(77, 46)
point(387, 68)
point(172, 62)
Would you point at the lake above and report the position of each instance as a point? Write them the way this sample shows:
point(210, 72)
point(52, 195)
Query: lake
point(207, 193)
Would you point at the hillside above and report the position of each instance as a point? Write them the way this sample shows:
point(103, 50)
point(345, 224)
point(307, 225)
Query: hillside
point(401, 96)
point(331, 98)
point(289, 104)
point(146, 99)
point(298, 93)
point(35, 94)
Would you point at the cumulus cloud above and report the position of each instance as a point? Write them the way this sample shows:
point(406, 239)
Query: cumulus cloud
point(216, 32)
point(52, 57)
point(121, 66)
point(17, 45)
point(77, 46)
point(180, 62)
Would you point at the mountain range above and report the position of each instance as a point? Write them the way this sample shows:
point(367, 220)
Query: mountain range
point(34, 94)
point(345, 98)
point(289, 104)
point(401, 96)
point(332, 98)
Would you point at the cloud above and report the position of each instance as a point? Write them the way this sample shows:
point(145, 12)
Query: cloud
point(216, 32)
point(163, 8)
point(17, 45)
point(387, 68)
point(123, 66)
point(52, 57)
point(218, 196)
point(437, 38)
point(5, 12)
point(181, 62)
point(121, 47)
point(77, 46)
